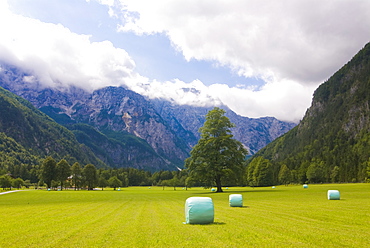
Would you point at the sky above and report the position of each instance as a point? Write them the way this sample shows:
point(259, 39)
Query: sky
point(258, 57)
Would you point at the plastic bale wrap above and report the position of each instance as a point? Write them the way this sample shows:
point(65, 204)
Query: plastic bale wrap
point(333, 195)
point(236, 200)
point(305, 186)
point(199, 210)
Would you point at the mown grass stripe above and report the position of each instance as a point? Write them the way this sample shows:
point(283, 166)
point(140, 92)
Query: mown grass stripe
point(142, 217)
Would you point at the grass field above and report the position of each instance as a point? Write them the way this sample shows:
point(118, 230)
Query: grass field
point(142, 217)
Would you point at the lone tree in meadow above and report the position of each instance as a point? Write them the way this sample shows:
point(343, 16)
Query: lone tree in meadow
point(217, 155)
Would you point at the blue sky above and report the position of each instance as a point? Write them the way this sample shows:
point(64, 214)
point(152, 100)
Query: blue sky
point(154, 56)
point(258, 58)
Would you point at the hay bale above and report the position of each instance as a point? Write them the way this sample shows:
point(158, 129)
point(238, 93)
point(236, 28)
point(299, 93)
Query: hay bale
point(236, 200)
point(305, 186)
point(333, 195)
point(199, 210)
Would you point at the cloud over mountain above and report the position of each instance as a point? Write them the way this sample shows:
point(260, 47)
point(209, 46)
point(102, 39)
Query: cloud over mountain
point(292, 46)
point(59, 57)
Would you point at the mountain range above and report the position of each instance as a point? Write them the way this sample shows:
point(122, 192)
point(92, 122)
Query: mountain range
point(124, 129)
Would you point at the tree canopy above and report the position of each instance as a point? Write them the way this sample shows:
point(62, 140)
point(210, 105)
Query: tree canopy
point(90, 173)
point(48, 170)
point(217, 156)
point(63, 171)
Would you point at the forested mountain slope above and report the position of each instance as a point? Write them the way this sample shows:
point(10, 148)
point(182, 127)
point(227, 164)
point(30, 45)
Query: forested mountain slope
point(125, 129)
point(28, 135)
point(332, 142)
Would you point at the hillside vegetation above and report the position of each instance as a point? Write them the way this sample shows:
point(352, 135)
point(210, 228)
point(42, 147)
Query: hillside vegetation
point(27, 135)
point(332, 142)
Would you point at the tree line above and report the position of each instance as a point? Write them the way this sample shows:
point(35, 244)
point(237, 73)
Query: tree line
point(217, 160)
point(62, 175)
point(263, 172)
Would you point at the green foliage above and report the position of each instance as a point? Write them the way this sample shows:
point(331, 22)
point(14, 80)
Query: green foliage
point(368, 171)
point(332, 142)
point(284, 175)
point(217, 155)
point(76, 173)
point(259, 172)
point(90, 176)
point(16, 160)
point(102, 182)
point(112, 147)
point(315, 172)
point(27, 136)
point(47, 171)
point(335, 174)
point(17, 183)
point(5, 182)
point(63, 171)
point(114, 182)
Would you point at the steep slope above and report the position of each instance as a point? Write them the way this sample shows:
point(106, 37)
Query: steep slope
point(117, 149)
point(253, 133)
point(30, 129)
point(332, 142)
point(114, 112)
point(120, 114)
point(17, 160)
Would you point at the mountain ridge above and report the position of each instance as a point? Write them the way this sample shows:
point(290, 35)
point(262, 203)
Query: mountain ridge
point(170, 130)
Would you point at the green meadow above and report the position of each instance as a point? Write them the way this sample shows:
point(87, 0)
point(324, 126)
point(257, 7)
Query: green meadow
point(287, 216)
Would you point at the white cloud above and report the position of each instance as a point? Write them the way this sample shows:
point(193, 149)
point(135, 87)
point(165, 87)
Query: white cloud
point(285, 100)
point(59, 57)
point(194, 93)
point(292, 45)
point(304, 41)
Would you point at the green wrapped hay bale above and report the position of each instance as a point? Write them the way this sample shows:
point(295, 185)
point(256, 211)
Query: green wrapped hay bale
point(333, 195)
point(199, 210)
point(305, 186)
point(236, 200)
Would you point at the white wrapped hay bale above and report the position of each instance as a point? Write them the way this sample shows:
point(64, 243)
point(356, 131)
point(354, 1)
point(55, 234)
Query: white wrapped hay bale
point(236, 200)
point(333, 195)
point(199, 210)
point(305, 186)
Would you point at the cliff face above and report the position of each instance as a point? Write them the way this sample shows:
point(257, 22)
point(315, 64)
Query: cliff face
point(150, 133)
point(253, 133)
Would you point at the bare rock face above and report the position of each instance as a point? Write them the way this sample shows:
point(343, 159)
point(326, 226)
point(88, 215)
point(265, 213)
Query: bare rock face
point(151, 133)
point(253, 133)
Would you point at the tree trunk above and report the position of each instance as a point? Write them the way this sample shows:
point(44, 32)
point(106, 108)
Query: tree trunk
point(218, 184)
